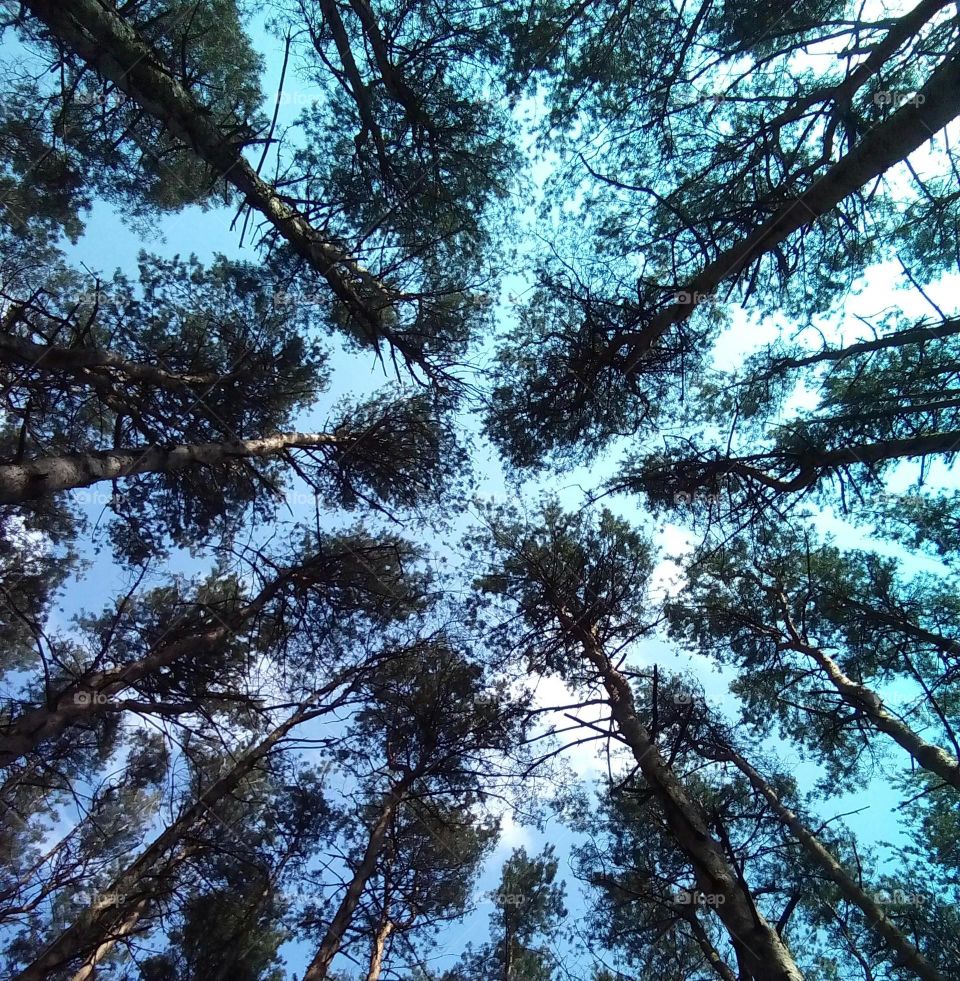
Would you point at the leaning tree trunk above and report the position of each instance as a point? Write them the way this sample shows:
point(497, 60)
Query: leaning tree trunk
point(765, 953)
point(380, 939)
point(814, 463)
point(96, 692)
point(889, 143)
point(913, 335)
point(866, 701)
point(93, 935)
point(118, 53)
point(53, 474)
point(333, 939)
point(87, 362)
point(908, 956)
point(719, 965)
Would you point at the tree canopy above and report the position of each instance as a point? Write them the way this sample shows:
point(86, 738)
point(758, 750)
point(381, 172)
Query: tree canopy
point(477, 490)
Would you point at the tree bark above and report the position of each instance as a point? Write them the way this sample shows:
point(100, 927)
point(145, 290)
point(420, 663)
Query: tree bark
point(914, 335)
point(379, 945)
point(926, 755)
point(333, 939)
point(711, 953)
point(96, 931)
point(95, 692)
point(816, 462)
point(118, 932)
point(117, 52)
point(907, 954)
point(84, 361)
point(53, 474)
point(942, 643)
point(768, 957)
point(887, 144)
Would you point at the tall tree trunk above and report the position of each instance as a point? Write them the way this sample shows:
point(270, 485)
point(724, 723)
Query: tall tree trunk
point(901, 624)
point(719, 965)
point(914, 335)
point(356, 86)
point(813, 463)
point(379, 945)
point(118, 53)
point(868, 703)
point(333, 939)
point(766, 954)
point(52, 474)
point(904, 29)
point(92, 935)
point(86, 361)
point(120, 930)
point(887, 144)
point(95, 692)
point(907, 954)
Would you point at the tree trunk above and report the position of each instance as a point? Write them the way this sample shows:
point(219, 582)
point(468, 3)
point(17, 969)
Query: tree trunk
point(816, 462)
point(50, 475)
point(92, 935)
point(711, 953)
point(766, 954)
point(118, 932)
point(887, 144)
point(86, 361)
point(857, 696)
point(96, 691)
point(379, 945)
point(116, 51)
point(907, 954)
point(333, 939)
point(914, 335)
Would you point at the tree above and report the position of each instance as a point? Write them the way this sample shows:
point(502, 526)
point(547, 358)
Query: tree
point(527, 907)
point(778, 604)
point(439, 745)
point(579, 588)
point(369, 307)
point(736, 172)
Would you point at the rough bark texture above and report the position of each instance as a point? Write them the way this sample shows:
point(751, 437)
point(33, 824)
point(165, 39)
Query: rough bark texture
point(907, 129)
point(907, 954)
point(757, 942)
point(333, 939)
point(53, 474)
